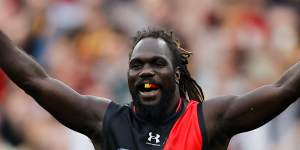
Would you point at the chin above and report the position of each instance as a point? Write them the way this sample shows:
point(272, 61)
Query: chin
point(153, 110)
point(150, 102)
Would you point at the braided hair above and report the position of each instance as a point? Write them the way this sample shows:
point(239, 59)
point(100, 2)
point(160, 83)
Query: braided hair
point(188, 87)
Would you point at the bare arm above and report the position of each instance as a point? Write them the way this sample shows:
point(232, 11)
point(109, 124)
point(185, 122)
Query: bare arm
point(78, 112)
point(234, 114)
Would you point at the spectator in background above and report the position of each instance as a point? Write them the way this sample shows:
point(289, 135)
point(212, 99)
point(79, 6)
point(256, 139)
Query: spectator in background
point(212, 29)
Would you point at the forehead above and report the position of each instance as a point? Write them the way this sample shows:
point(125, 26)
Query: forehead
point(151, 47)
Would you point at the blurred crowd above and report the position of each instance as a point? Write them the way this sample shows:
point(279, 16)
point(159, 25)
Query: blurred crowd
point(237, 46)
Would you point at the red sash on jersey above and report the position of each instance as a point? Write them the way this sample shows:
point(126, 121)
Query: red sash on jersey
point(186, 132)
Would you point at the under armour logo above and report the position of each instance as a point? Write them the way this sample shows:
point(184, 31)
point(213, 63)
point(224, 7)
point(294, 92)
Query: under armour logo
point(151, 137)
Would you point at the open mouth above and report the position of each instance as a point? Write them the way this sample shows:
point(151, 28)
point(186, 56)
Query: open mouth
point(148, 90)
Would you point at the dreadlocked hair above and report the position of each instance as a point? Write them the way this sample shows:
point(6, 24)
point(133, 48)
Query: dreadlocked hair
point(188, 87)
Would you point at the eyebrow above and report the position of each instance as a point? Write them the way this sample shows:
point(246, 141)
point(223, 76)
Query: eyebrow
point(151, 59)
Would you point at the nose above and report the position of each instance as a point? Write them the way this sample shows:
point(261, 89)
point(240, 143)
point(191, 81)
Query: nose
point(146, 72)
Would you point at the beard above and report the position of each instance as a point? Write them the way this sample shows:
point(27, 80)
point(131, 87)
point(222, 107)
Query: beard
point(156, 113)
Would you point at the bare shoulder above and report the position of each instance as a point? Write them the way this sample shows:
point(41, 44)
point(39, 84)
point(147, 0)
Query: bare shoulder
point(213, 110)
point(97, 105)
point(214, 107)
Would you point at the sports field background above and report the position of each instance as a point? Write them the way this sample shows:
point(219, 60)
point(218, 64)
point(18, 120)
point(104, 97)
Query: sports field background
point(237, 44)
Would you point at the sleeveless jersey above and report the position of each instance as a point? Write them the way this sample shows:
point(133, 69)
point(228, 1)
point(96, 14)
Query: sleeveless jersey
point(184, 130)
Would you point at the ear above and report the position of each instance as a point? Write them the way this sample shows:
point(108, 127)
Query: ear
point(177, 75)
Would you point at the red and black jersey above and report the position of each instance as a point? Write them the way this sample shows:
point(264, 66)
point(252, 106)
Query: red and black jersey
point(184, 130)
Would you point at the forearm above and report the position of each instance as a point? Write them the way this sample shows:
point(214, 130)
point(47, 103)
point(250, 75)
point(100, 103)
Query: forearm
point(18, 66)
point(80, 113)
point(249, 111)
point(290, 81)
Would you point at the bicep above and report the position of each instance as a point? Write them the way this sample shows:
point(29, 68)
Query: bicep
point(253, 109)
point(78, 112)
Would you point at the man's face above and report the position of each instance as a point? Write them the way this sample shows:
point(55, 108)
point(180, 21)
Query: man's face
point(151, 76)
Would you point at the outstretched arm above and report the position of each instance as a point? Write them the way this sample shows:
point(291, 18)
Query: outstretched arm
point(234, 114)
point(78, 112)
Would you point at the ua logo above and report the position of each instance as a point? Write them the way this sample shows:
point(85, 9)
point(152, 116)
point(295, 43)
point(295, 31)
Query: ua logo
point(152, 137)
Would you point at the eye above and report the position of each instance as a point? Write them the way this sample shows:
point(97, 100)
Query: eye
point(135, 65)
point(160, 63)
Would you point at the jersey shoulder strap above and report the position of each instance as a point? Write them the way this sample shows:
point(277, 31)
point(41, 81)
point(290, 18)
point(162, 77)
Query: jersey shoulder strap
point(202, 126)
point(188, 132)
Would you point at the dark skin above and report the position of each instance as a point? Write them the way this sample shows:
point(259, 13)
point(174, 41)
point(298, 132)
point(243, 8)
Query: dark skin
point(150, 60)
point(224, 116)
